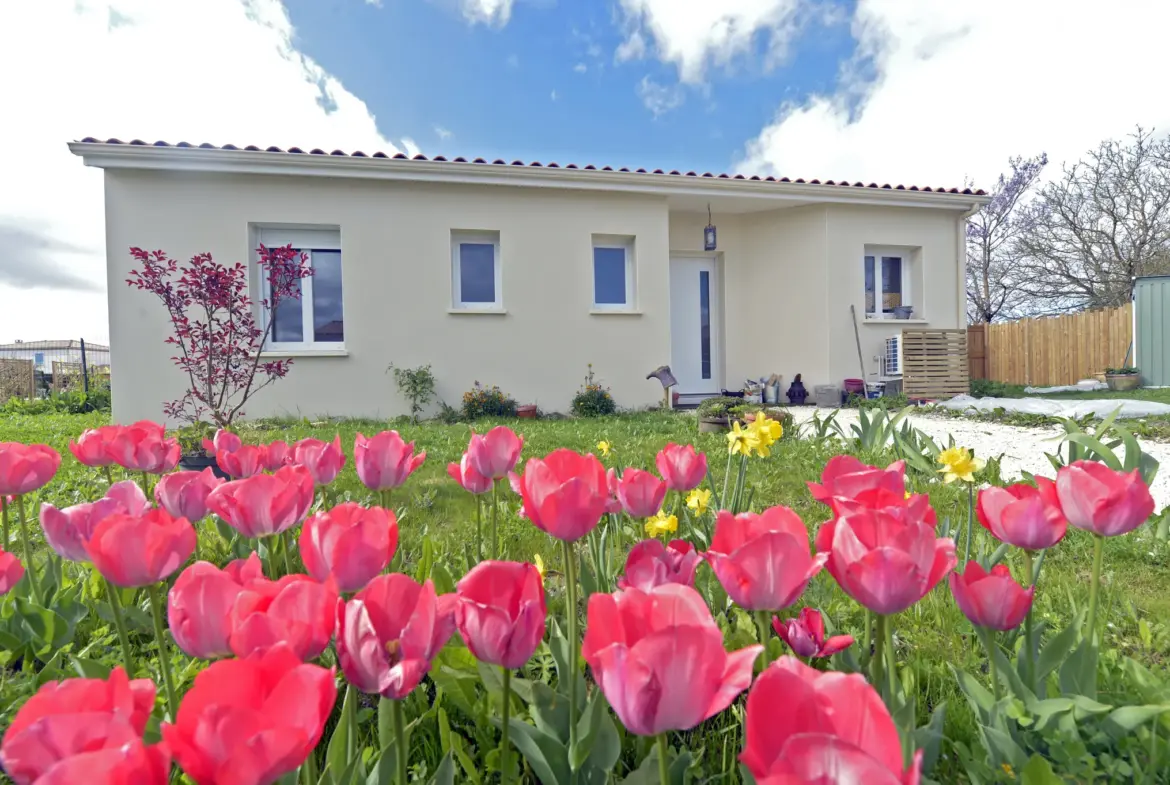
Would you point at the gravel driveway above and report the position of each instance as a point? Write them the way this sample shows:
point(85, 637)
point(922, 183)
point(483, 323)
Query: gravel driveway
point(1022, 448)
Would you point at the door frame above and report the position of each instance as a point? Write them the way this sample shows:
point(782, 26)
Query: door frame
point(717, 380)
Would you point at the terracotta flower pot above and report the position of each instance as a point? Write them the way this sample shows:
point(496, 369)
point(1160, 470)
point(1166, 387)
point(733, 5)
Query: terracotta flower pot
point(526, 412)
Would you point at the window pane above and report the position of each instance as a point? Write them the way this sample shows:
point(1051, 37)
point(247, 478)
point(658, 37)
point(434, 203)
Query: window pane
point(287, 322)
point(477, 273)
point(609, 276)
point(870, 298)
point(705, 323)
point(891, 283)
point(328, 326)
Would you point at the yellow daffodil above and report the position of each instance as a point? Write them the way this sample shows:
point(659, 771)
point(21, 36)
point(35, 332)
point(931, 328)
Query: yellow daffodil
point(697, 501)
point(539, 564)
point(740, 441)
point(661, 524)
point(959, 464)
point(767, 430)
point(604, 447)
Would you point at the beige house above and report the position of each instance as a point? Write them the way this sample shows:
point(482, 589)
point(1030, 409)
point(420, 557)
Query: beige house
point(520, 274)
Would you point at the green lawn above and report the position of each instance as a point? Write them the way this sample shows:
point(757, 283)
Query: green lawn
point(930, 638)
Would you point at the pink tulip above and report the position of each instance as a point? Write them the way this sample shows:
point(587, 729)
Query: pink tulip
point(805, 635)
point(138, 550)
point(565, 494)
point(390, 631)
point(26, 467)
point(887, 564)
point(68, 530)
point(652, 564)
point(265, 504)
point(501, 612)
point(383, 462)
point(763, 561)
point(808, 726)
point(295, 610)
point(225, 441)
point(277, 454)
point(200, 604)
point(323, 459)
point(144, 447)
point(350, 543)
point(245, 461)
point(466, 475)
point(129, 497)
point(1022, 515)
point(495, 453)
point(682, 466)
point(658, 657)
point(11, 571)
point(184, 494)
point(641, 493)
point(1106, 502)
point(845, 477)
point(91, 448)
point(991, 599)
point(915, 509)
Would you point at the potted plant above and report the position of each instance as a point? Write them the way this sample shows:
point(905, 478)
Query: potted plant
point(1125, 378)
point(217, 342)
point(714, 414)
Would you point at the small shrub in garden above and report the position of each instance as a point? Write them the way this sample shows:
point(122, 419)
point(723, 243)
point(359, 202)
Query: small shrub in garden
point(482, 401)
point(719, 406)
point(986, 388)
point(593, 400)
point(417, 386)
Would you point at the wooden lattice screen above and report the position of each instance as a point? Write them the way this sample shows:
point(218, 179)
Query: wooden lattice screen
point(17, 379)
point(66, 376)
point(934, 363)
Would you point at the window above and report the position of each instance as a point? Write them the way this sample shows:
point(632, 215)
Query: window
point(613, 273)
point(316, 320)
point(887, 281)
point(475, 271)
point(705, 323)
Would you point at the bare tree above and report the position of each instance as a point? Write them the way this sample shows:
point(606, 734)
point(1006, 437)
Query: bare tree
point(1104, 222)
point(992, 240)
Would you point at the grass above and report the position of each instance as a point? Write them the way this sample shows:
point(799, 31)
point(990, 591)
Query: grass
point(931, 638)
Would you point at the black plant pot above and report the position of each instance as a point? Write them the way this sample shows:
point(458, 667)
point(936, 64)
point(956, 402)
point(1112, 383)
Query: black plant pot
point(197, 463)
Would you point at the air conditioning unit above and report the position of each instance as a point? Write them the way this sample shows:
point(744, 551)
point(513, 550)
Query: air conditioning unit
point(892, 360)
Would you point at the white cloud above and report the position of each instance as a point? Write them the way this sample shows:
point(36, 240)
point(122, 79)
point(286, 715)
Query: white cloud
point(443, 133)
point(658, 98)
point(694, 35)
point(493, 13)
point(580, 68)
point(411, 148)
point(375, 3)
point(214, 71)
point(553, 95)
point(953, 89)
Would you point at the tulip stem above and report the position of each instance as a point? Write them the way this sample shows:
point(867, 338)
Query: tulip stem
point(33, 581)
point(570, 551)
point(505, 769)
point(726, 476)
point(146, 484)
point(763, 623)
point(1094, 587)
point(4, 519)
point(478, 528)
point(286, 541)
point(109, 475)
point(164, 661)
point(120, 626)
point(970, 517)
point(663, 763)
point(495, 515)
point(877, 674)
point(399, 740)
point(1030, 659)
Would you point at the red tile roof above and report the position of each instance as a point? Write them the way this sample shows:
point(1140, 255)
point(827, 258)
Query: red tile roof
point(550, 165)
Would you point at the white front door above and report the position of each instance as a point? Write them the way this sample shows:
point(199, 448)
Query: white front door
point(694, 325)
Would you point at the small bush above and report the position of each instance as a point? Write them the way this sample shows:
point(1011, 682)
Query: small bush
point(986, 388)
point(67, 402)
point(417, 386)
point(482, 401)
point(718, 406)
point(593, 400)
point(191, 437)
point(1127, 370)
point(448, 414)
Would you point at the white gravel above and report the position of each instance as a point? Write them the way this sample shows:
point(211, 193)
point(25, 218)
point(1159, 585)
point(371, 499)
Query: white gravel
point(1022, 448)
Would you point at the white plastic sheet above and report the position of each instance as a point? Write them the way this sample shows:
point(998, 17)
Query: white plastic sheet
point(1076, 409)
point(1084, 385)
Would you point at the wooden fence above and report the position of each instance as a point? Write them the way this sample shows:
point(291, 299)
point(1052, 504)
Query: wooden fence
point(1051, 351)
point(17, 379)
point(934, 363)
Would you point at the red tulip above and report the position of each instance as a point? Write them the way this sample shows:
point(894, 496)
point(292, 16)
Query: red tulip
point(1022, 515)
point(134, 763)
point(144, 447)
point(805, 635)
point(385, 461)
point(808, 726)
point(641, 493)
point(26, 467)
point(11, 571)
point(245, 461)
point(129, 496)
point(91, 448)
point(295, 610)
point(915, 509)
point(138, 550)
point(224, 440)
point(184, 494)
point(565, 494)
point(265, 504)
point(887, 564)
point(74, 717)
point(349, 542)
point(251, 721)
point(323, 459)
point(1101, 500)
point(501, 612)
point(845, 477)
point(658, 657)
point(200, 604)
point(651, 564)
point(466, 475)
point(390, 631)
point(763, 561)
point(682, 466)
point(495, 453)
point(277, 454)
point(991, 599)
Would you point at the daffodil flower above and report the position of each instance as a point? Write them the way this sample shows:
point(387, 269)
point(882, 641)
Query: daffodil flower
point(604, 447)
point(697, 500)
point(539, 564)
point(661, 524)
point(959, 464)
point(740, 441)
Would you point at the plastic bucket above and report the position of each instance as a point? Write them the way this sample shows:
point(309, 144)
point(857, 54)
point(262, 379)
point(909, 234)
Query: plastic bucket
point(854, 386)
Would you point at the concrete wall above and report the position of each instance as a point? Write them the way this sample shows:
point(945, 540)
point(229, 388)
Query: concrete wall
point(396, 273)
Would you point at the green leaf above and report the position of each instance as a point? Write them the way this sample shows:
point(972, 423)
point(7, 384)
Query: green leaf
point(608, 746)
point(1078, 675)
point(558, 644)
point(647, 773)
point(1038, 772)
point(928, 738)
point(445, 773)
point(550, 710)
point(386, 769)
point(545, 754)
point(977, 695)
point(1103, 453)
point(1126, 719)
point(1002, 747)
point(89, 669)
point(337, 753)
point(588, 728)
point(1053, 655)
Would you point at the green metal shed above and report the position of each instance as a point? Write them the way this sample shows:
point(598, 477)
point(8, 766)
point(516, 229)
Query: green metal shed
point(1151, 329)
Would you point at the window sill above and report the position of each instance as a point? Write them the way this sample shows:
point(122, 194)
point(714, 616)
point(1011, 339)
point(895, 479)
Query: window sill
point(896, 321)
point(615, 312)
point(272, 353)
point(479, 311)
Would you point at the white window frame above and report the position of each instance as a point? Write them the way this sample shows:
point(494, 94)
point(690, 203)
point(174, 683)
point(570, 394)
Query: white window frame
point(616, 242)
point(309, 239)
point(458, 238)
point(907, 256)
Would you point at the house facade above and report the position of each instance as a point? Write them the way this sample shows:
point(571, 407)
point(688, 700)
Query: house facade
point(520, 275)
